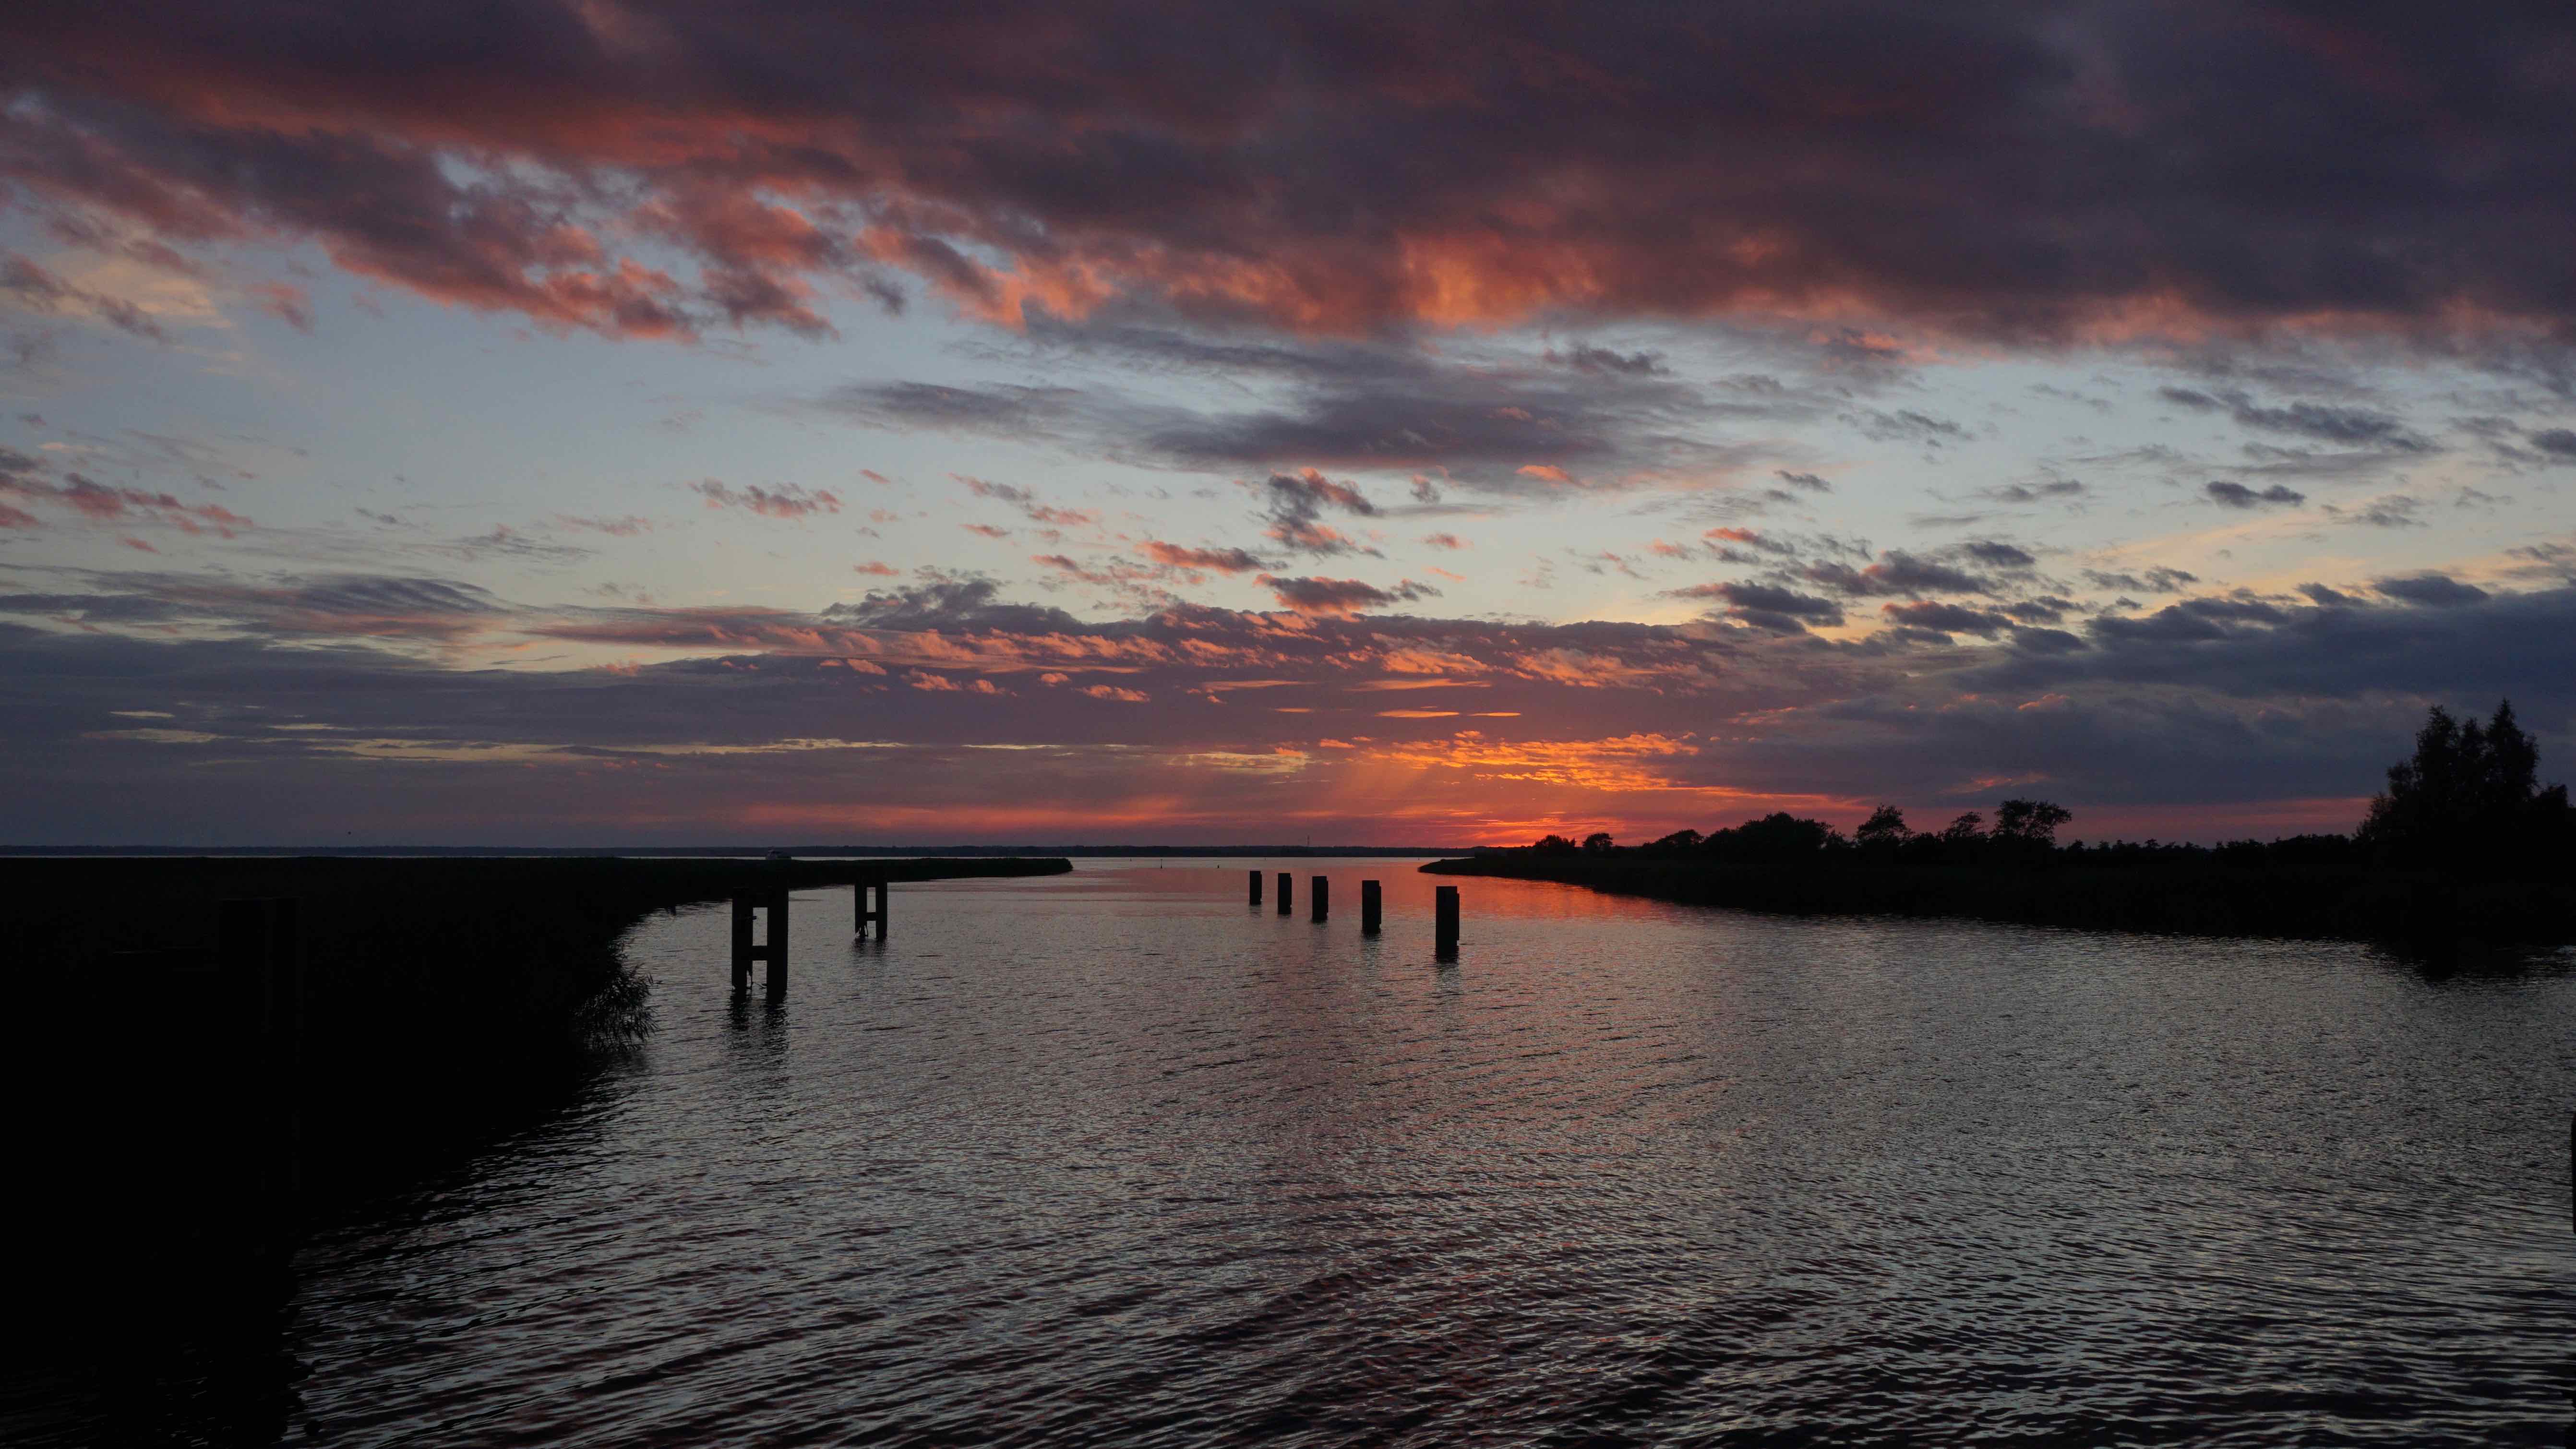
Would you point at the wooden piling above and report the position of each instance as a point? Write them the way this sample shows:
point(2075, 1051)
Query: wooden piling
point(776, 945)
point(871, 901)
point(742, 908)
point(1287, 887)
point(1320, 894)
point(772, 948)
point(1444, 938)
point(1369, 908)
point(1256, 887)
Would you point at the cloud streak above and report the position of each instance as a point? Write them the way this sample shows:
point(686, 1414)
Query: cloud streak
point(1636, 723)
point(1340, 598)
point(788, 502)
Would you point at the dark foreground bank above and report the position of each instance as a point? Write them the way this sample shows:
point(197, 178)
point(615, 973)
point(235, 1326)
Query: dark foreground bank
point(439, 1000)
point(2285, 901)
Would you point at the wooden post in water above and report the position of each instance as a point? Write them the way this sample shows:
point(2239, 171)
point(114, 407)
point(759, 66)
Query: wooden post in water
point(742, 906)
point(776, 945)
point(1287, 887)
point(870, 901)
point(773, 950)
point(1368, 908)
point(1444, 931)
point(1256, 887)
point(1322, 892)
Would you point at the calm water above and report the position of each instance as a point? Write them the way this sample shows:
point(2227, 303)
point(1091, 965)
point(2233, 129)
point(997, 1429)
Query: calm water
point(1111, 1159)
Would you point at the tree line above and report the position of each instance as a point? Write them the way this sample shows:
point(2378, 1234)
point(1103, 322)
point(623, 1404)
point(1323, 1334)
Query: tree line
point(2021, 828)
point(2468, 802)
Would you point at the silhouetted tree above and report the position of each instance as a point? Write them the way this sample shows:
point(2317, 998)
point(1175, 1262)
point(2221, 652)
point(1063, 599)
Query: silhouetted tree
point(1680, 842)
point(2470, 799)
point(1553, 845)
point(2031, 822)
point(1884, 829)
point(1597, 843)
point(1968, 829)
point(1776, 837)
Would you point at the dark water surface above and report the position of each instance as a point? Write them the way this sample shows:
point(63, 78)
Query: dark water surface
point(1111, 1159)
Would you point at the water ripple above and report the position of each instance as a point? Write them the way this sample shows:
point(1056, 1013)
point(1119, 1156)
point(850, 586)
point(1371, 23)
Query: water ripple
point(1108, 1159)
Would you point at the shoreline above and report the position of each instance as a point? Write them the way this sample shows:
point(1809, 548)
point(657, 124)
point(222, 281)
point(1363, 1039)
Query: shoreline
point(441, 1002)
point(2347, 903)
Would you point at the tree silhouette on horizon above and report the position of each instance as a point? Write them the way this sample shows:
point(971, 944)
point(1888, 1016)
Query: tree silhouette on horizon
point(2470, 799)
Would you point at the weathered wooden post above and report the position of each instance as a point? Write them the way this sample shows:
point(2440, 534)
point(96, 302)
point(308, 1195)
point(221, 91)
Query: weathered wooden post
point(1322, 896)
point(1368, 908)
point(776, 945)
point(773, 949)
point(870, 901)
point(1444, 931)
point(1256, 887)
point(1286, 888)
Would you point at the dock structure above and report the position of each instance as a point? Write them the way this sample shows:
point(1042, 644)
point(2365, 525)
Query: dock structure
point(773, 904)
point(1444, 931)
point(1369, 908)
point(868, 902)
point(1320, 897)
point(295, 1024)
point(1287, 888)
point(1256, 887)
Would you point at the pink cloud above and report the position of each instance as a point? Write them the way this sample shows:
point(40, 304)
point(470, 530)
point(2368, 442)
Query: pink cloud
point(102, 503)
point(790, 501)
point(627, 527)
point(284, 301)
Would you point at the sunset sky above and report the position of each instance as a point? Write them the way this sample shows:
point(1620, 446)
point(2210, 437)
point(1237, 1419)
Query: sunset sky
point(592, 422)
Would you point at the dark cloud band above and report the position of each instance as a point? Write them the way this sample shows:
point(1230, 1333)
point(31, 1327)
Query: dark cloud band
point(2021, 171)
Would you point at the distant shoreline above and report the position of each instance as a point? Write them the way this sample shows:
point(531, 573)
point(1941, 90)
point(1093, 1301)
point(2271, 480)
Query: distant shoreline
point(2353, 903)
